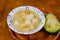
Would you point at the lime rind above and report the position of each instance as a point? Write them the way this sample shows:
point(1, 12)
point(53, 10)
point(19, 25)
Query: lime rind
point(52, 24)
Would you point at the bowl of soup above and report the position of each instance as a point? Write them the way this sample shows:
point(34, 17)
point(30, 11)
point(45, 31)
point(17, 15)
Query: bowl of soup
point(26, 20)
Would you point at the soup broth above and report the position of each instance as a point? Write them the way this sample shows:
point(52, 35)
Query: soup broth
point(25, 20)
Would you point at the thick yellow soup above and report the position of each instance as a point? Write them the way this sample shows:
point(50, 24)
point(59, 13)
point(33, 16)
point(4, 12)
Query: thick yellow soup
point(25, 20)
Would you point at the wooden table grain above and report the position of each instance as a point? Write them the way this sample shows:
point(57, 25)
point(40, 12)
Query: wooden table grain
point(7, 5)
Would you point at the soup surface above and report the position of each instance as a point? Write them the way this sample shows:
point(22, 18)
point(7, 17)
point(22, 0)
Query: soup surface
point(25, 20)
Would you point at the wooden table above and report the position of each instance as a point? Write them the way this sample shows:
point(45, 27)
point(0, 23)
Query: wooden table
point(7, 5)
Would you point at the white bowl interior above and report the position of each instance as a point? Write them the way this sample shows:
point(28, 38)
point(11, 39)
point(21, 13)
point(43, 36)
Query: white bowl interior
point(26, 8)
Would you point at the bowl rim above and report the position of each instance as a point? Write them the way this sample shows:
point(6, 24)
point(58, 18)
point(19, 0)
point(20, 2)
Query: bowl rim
point(39, 12)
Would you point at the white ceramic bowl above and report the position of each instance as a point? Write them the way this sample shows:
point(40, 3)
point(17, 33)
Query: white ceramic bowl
point(26, 8)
